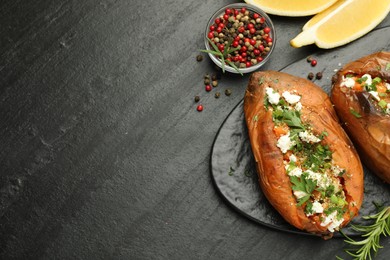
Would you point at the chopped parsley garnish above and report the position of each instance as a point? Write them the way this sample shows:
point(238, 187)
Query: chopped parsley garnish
point(382, 104)
point(317, 155)
point(388, 66)
point(261, 81)
point(292, 118)
point(355, 113)
point(305, 185)
point(231, 171)
point(362, 79)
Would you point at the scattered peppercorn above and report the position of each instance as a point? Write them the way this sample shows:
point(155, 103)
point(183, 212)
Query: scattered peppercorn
point(215, 83)
point(310, 75)
point(208, 88)
point(199, 58)
point(206, 81)
point(309, 59)
point(197, 98)
point(217, 94)
point(207, 76)
point(313, 62)
point(228, 92)
point(319, 75)
point(199, 108)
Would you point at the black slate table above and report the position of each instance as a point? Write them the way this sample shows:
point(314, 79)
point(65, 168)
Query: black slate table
point(102, 152)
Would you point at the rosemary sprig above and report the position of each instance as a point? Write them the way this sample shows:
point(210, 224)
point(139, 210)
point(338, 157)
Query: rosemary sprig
point(371, 235)
point(223, 55)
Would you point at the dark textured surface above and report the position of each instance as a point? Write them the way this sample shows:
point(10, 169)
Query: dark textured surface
point(103, 154)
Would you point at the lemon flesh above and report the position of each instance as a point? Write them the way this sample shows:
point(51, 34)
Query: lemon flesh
point(342, 23)
point(292, 7)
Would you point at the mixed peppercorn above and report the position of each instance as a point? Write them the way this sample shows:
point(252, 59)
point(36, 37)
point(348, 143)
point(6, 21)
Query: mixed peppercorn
point(246, 32)
point(211, 82)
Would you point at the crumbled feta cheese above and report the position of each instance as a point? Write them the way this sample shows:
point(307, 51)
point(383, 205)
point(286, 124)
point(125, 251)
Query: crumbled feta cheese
point(299, 194)
point(295, 172)
point(336, 170)
point(317, 207)
point(285, 143)
point(308, 137)
point(273, 97)
point(298, 106)
point(322, 180)
point(375, 95)
point(332, 221)
point(292, 158)
point(388, 108)
point(291, 98)
point(368, 81)
point(348, 82)
point(387, 86)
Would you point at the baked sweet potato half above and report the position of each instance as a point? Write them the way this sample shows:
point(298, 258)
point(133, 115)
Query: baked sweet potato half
point(308, 168)
point(361, 96)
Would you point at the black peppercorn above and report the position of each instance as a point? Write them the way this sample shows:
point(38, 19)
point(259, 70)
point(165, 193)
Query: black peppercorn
point(310, 76)
point(199, 57)
point(197, 98)
point(217, 75)
point(217, 94)
point(319, 75)
point(228, 92)
point(309, 59)
point(206, 81)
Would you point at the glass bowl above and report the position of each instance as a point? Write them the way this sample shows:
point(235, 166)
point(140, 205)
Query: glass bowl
point(266, 22)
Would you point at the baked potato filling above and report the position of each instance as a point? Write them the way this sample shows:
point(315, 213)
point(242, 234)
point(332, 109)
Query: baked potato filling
point(377, 88)
point(316, 181)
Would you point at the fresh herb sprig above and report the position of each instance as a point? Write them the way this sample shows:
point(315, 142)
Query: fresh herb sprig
point(371, 235)
point(223, 55)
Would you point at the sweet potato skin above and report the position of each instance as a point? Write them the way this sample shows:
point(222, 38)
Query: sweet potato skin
point(317, 109)
point(371, 132)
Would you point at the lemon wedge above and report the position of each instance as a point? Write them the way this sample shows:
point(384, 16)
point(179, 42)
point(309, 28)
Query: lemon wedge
point(342, 23)
point(292, 7)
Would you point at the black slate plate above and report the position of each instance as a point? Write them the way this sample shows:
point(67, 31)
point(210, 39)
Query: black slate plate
point(232, 165)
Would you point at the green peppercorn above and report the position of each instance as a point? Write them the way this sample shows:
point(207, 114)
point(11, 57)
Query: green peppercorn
point(217, 94)
point(228, 92)
point(207, 81)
